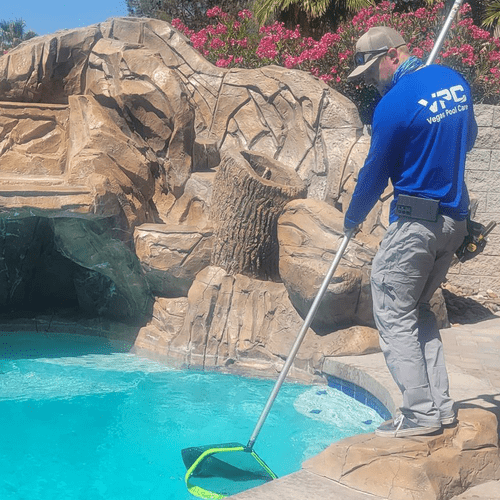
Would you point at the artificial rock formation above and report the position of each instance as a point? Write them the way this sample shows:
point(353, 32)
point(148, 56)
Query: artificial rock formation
point(309, 231)
point(123, 124)
point(172, 255)
point(242, 323)
point(134, 165)
point(420, 468)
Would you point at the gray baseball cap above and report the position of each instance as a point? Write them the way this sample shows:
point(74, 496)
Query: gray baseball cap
point(375, 42)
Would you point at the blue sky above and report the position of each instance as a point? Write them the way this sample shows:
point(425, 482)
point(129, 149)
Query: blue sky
point(47, 16)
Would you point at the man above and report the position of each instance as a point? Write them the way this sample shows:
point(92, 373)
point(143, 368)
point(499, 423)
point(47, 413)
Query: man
point(422, 129)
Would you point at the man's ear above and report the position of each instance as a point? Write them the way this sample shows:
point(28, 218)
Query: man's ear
point(392, 53)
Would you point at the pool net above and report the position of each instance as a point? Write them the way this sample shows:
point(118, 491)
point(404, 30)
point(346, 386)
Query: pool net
point(221, 470)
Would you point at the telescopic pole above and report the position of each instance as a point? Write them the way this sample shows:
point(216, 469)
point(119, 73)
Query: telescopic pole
point(300, 337)
point(444, 32)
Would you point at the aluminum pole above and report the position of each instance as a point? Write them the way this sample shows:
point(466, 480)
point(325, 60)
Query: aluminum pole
point(300, 338)
point(444, 31)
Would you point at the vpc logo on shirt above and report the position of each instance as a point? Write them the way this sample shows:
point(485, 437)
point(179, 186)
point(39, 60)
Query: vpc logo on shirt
point(441, 107)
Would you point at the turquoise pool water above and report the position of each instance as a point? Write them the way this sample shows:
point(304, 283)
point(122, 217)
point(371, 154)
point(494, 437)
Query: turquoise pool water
point(83, 419)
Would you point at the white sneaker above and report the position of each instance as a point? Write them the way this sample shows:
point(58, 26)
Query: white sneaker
point(402, 427)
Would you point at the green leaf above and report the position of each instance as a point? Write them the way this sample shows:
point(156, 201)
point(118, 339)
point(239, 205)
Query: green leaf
point(265, 9)
point(492, 13)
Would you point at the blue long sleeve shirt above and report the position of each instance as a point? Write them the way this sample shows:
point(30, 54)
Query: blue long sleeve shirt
point(422, 129)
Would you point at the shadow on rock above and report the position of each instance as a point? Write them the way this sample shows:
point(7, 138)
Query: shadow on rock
point(464, 310)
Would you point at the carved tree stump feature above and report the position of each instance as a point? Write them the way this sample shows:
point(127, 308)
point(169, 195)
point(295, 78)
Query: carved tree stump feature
point(249, 194)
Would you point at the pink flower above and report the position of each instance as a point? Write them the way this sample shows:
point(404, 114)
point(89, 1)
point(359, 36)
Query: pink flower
point(330, 39)
point(480, 34)
point(343, 56)
point(245, 14)
point(467, 51)
point(179, 25)
point(494, 56)
point(291, 62)
point(465, 9)
point(220, 29)
point(295, 34)
point(326, 78)
point(199, 39)
point(217, 12)
point(217, 43)
point(467, 22)
point(224, 63)
point(267, 48)
point(420, 13)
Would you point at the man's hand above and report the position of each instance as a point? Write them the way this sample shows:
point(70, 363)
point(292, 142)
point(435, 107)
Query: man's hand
point(350, 232)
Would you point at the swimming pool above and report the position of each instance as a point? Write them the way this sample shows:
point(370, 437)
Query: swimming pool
point(82, 418)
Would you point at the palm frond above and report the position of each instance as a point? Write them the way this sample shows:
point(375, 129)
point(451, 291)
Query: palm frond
point(29, 34)
point(355, 5)
point(492, 13)
point(315, 8)
point(264, 9)
point(17, 28)
point(4, 25)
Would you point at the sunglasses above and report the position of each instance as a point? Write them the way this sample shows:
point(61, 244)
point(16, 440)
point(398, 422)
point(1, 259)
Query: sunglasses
point(364, 57)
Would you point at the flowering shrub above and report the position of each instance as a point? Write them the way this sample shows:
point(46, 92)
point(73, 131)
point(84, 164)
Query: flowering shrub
point(238, 42)
point(476, 54)
point(228, 42)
